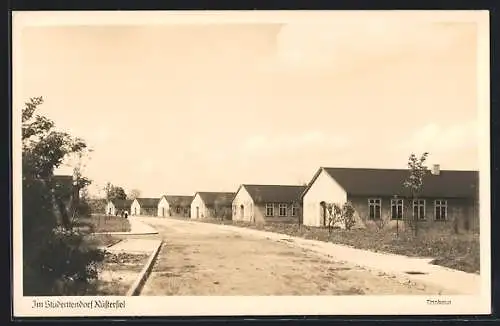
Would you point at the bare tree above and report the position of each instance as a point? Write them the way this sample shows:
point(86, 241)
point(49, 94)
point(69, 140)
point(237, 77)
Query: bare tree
point(334, 212)
point(415, 183)
point(134, 193)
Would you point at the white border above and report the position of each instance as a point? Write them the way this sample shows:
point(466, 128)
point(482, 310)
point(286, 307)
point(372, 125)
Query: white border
point(283, 305)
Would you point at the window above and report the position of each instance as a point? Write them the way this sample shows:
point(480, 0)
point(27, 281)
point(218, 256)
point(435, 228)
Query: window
point(282, 208)
point(440, 210)
point(397, 209)
point(419, 209)
point(269, 210)
point(294, 210)
point(375, 208)
point(234, 210)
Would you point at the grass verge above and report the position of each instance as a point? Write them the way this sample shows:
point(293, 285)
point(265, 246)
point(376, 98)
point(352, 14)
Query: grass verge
point(102, 240)
point(103, 223)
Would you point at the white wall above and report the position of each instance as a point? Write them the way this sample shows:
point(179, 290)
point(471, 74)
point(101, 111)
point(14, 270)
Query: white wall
point(243, 198)
point(163, 204)
point(323, 189)
point(110, 208)
point(135, 208)
point(198, 202)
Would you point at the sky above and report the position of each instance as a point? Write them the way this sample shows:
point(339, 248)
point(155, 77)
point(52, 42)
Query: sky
point(175, 109)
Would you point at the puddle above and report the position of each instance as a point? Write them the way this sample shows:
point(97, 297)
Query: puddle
point(415, 273)
point(332, 269)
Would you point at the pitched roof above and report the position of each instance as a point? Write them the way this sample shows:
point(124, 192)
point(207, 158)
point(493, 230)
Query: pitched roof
point(179, 200)
point(122, 203)
point(59, 181)
point(62, 185)
point(274, 193)
point(221, 198)
point(389, 182)
point(148, 202)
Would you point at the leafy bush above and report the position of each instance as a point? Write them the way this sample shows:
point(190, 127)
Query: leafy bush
point(56, 259)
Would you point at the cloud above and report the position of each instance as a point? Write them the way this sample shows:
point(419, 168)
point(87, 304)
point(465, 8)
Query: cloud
point(267, 145)
point(341, 45)
point(443, 140)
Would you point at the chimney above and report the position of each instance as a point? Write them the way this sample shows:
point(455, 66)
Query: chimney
point(435, 169)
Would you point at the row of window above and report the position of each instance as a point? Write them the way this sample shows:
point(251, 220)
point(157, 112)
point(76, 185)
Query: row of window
point(282, 210)
point(440, 209)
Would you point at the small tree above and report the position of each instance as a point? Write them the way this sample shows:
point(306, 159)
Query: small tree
point(134, 193)
point(114, 192)
point(334, 212)
point(348, 218)
point(415, 183)
point(56, 260)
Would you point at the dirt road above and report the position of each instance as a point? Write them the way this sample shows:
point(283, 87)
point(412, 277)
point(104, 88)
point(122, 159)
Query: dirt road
point(206, 259)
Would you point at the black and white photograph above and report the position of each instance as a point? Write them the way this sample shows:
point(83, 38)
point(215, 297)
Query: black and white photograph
point(251, 163)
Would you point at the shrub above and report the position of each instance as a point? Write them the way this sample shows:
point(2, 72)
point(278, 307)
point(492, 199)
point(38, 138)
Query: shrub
point(56, 260)
point(347, 215)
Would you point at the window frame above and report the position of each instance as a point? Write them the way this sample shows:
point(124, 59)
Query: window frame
point(294, 210)
point(397, 202)
point(417, 202)
point(283, 206)
point(443, 203)
point(377, 202)
point(269, 206)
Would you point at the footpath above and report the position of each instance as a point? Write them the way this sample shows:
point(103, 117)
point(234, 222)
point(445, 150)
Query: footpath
point(149, 246)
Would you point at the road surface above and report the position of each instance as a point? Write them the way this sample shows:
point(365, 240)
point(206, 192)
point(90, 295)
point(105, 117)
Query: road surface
point(208, 259)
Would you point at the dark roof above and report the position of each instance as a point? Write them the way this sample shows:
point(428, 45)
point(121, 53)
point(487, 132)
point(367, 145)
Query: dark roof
point(389, 182)
point(122, 203)
point(274, 193)
point(221, 198)
point(148, 202)
point(62, 185)
point(62, 181)
point(179, 200)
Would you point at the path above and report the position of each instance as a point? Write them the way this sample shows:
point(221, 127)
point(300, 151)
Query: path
point(141, 239)
point(208, 259)
point(419, 269)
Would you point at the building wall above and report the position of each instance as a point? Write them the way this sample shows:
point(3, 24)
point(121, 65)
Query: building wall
point(324, 189)
point(163, 208)
point(202, 210)
point(462, 214)
point(149, 211)
point(261, 216)
point(135, 208)
point(179, 211)
point(110, 208)
point(243, 206)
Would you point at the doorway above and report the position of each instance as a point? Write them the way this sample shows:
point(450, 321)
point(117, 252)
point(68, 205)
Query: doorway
point(322, 213)
point(163, 211)
point(197, 212)
point(242, 212)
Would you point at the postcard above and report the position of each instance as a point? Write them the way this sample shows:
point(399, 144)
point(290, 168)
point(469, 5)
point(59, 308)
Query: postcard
point(250, 163)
